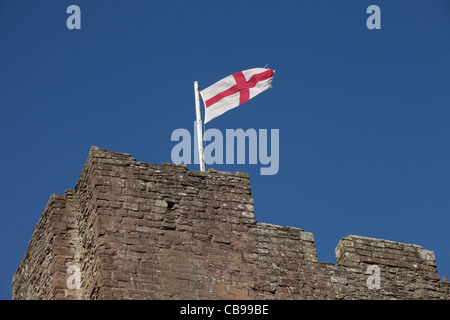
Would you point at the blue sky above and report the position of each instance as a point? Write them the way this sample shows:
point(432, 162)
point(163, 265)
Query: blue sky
point(363, 114)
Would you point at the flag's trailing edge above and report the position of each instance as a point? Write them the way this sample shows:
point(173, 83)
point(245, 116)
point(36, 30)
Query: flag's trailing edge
point(234, 90)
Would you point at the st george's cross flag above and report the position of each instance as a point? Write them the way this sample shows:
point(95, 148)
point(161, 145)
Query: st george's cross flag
point(234, 90)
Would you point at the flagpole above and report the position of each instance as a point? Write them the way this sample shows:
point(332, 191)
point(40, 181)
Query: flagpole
point(199, 127)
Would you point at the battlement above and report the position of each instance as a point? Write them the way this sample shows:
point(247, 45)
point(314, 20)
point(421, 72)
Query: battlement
point(133, 230)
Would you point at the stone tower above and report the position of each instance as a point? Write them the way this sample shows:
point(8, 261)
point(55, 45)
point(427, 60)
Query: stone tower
point(133, 230)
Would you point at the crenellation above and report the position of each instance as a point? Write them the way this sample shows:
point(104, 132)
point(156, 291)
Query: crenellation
point(141, 231)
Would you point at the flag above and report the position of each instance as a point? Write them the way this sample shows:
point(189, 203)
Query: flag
point(234, 90)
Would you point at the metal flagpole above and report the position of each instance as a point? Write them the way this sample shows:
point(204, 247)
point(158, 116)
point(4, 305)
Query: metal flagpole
point(199, 127)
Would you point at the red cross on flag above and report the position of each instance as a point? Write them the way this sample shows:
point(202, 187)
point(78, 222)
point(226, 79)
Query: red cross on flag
point(234, 90)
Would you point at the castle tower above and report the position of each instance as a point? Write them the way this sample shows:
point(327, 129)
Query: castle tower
point(133, 230)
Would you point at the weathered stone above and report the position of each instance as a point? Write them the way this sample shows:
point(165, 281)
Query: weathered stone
point(143, 231)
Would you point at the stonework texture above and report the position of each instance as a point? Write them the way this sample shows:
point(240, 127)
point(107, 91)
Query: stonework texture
point(141, 231)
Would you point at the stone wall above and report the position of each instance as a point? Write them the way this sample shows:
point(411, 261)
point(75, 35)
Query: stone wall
point(141, 231)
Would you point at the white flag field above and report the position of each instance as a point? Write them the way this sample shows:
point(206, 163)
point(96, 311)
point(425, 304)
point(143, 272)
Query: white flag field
point(234, 90)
